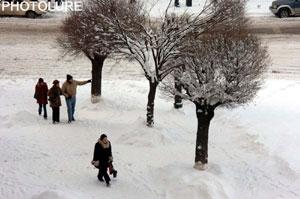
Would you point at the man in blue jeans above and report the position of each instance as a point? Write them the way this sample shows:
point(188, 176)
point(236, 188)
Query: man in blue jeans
point(69, 91)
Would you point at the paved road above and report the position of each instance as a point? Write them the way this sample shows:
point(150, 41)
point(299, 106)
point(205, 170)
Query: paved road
point(282, 36)
point(273, 25)
point(50, 24)
point(25, 26)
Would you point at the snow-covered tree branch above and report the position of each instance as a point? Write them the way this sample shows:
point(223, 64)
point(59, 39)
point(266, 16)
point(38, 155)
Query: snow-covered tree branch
point(126, 28)
point(89, 32)
point(155, 43)
point(223, 67)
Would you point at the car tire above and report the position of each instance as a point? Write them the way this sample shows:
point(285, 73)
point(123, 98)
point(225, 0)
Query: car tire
point(31, 14)
point(284, 13)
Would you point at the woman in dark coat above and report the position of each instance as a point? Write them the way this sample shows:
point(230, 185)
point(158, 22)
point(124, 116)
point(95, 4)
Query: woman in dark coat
point(54, 98)
point(103, 158)
point(41, 90)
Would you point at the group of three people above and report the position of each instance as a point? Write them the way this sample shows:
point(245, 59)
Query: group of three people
point(69, 89)
point(102, 158)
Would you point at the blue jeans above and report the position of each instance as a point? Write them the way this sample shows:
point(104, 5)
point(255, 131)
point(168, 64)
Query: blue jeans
point(71, 108)
point(41, 107)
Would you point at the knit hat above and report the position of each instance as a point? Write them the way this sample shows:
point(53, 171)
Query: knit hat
point(69, 77)
point(55, 82)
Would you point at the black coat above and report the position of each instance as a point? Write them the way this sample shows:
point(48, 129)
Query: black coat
point(102, 153)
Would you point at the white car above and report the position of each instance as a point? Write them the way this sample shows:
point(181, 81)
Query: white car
point(28, 8)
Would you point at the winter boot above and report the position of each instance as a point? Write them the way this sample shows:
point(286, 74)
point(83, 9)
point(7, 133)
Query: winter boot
point(100, 179)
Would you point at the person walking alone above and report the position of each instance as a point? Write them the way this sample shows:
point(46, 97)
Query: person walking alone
point(54, 98)
point(69, 89)
point(102, 159)
point(40, 94)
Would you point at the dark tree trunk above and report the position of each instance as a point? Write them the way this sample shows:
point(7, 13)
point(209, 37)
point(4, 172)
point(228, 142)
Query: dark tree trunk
point(204, 116)
point(189, 3)
point(97, 65)
point(178, 99)
point(150, 104)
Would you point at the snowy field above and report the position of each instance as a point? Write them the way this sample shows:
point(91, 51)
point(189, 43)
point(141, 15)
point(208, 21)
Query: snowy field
point(253, 150)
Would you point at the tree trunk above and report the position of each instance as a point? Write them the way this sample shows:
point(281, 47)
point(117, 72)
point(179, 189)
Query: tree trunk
point(204, 116)
point(189, 3)
point(97, 66)
point(150, 104)
point(178, 99)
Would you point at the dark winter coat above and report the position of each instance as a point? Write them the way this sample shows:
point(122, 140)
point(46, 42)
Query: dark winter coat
point(41, 91)
point(54, 96)
point(102, 153)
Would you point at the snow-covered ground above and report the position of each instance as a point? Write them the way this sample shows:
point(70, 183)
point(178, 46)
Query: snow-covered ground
point(253, 150)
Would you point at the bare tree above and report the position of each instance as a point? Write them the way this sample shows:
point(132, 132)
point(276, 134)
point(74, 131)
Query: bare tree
point(156, 46)
point(224, 67)
point(87, 32)
point(117, 26)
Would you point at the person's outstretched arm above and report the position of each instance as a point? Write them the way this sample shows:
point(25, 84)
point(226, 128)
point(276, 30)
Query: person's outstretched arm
point(82, 82)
